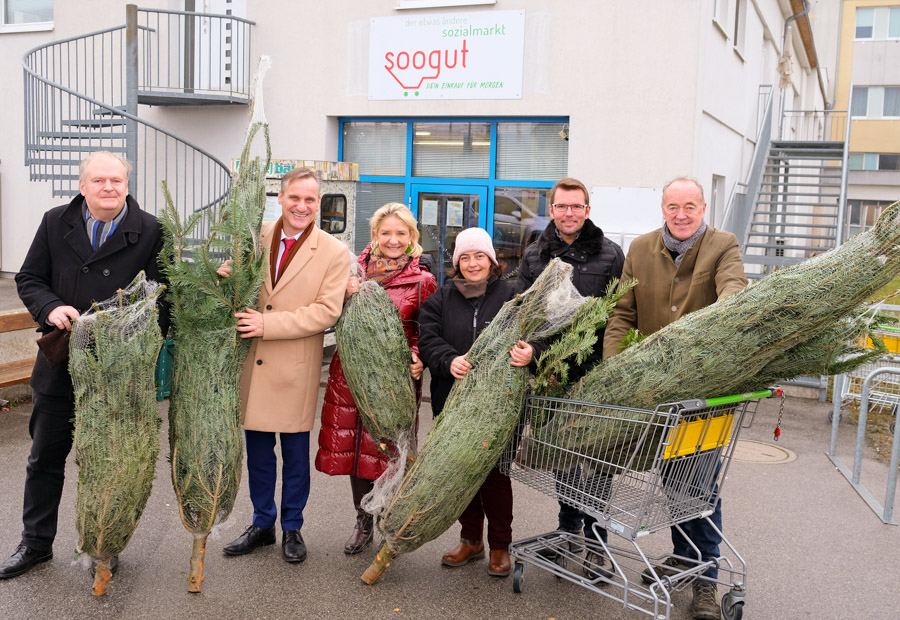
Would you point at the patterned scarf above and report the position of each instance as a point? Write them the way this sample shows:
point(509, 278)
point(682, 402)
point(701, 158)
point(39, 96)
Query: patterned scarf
point(383, 270)
point(98, 231)
point(680, 247)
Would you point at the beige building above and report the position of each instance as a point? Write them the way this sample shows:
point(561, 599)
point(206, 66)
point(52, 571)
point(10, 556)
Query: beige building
point(869, 64)
point(467, 110)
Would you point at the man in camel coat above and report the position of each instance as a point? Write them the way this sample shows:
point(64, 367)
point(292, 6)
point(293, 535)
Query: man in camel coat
point(302, 296)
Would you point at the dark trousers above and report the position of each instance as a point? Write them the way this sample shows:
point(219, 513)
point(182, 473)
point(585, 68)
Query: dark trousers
point(51, 428)
point(494, 500)
point(570, 483)
point(262, 474)
point(699, 531)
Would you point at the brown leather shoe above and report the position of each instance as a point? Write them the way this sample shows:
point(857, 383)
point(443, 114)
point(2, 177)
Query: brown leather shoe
point(499, 565)
point(463, 553)
point(361, 536)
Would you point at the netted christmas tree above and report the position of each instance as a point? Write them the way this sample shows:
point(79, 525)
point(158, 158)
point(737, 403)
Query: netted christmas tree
point(479, 419)
point(800, 320)
point(205, 436)
point(113, 350)
point(375, 358)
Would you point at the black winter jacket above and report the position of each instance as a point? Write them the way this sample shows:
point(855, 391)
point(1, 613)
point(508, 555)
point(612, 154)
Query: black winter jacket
point(61, 269)
point(449, 324)
point(595, 261)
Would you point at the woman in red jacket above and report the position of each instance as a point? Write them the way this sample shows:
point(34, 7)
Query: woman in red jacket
point(345, 447)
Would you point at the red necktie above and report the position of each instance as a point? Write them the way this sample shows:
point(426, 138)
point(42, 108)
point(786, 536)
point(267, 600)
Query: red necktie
point(288, 244)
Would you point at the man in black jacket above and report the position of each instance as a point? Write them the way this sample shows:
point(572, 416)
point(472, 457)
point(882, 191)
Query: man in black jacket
point(83, 252)
point(573, 238)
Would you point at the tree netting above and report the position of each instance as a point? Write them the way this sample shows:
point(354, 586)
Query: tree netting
point(205, 439)
point(801, 320)
point(479, 419)
point(112, 356)
point(375, 358)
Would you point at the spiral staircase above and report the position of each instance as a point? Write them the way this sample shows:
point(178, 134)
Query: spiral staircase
point(83, 95)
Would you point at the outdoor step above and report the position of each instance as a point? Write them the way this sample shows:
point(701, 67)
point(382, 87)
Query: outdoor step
point(778, 246)
point(52, 161)
point(792, 194)
point(787, 236)
point(792, 225)
point(43, 176)
point(83, 148)
point(806, 175)
point(94, 122)
point(81, 135)
point(795, 203)
point(105, 112)
point(791, 184)
point(807, 144)
point(795, 214)
point(777, 261)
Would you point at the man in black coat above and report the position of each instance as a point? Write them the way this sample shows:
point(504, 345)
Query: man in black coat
point(83, 252)
point(573, 238)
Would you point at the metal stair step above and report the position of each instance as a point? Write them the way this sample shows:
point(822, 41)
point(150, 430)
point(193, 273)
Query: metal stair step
point(777, 246)
point(788, 236)
point(105, 112)
point(792, 184)
point(94, 122)
point(43, 176)
point(794, 203)
point(792, 194)
point(795, 214)
point(79, 148)
point(792, 225)
point(81, 135)
point(777, 261)
point(52, 161)
point(804, 175)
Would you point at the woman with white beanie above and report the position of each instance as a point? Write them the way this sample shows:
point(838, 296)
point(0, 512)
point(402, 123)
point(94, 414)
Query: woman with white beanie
point(449, 322)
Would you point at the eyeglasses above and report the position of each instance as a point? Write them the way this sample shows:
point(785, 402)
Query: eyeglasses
point(688, 209)
point(574, 208)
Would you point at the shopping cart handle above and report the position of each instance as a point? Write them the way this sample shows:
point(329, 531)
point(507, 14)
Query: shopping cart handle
point(700, 403)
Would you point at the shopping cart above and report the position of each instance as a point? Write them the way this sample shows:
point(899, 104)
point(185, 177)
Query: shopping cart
point(884, 390)
point(636, 471)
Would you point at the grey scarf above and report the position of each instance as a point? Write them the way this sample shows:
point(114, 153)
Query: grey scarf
point(680, 247)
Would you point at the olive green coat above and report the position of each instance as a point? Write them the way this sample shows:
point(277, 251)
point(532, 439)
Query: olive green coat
point(711, 269)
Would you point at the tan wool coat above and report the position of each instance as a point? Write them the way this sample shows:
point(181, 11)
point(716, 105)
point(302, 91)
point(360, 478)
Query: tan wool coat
point(711, 269)
point(280, 379)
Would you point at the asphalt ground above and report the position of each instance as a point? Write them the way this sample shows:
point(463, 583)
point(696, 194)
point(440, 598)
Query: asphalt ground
point(814, 549)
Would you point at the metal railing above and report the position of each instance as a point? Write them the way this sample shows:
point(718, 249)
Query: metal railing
point(813, 125)
point(739, 212)
point(81, 95)
point(194, 56)
point(885, 512)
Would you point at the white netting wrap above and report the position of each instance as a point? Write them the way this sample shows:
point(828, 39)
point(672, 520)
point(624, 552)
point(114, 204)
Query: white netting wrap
point(113, 350)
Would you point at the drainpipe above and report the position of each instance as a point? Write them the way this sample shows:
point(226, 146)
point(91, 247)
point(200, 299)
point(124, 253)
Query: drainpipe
point(815, 55)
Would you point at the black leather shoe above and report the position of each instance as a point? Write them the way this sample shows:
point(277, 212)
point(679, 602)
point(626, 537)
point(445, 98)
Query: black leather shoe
point(22, 560)
point(252, 538)
point(293, 549)
point(113, 565)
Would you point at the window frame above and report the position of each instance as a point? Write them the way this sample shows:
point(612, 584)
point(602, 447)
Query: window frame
point(26, 27)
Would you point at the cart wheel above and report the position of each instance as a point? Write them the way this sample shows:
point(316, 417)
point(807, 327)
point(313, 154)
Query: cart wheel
point(893, 426)
point(518, 577)
point(831, 416)
point(731, 609)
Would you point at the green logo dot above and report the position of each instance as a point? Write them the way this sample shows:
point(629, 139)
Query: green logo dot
point(405, 93)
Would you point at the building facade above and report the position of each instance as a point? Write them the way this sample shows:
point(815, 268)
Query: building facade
point(469, 110)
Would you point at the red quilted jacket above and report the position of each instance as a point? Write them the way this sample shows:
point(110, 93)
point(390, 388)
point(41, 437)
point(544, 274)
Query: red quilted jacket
point(345, 447)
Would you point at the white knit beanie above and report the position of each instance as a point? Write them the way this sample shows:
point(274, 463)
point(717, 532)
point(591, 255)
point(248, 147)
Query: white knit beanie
point(473, 240)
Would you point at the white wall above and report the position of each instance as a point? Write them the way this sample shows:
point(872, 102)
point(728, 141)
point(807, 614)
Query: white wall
point(651, 88)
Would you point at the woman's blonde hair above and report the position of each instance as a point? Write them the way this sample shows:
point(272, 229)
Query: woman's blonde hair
point(401, 212)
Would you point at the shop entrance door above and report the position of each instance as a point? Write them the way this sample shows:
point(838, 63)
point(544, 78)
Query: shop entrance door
point(443, 211)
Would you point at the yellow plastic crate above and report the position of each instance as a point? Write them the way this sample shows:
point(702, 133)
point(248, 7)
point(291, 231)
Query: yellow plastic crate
point(685, 438)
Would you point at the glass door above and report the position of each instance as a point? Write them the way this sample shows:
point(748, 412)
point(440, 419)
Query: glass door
point(443, 211)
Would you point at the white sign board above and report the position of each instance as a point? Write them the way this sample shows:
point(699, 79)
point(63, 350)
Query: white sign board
point(624, 213)
point(447, 56)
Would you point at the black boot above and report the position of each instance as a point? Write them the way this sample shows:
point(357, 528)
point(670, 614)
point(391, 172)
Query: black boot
point(362, 531)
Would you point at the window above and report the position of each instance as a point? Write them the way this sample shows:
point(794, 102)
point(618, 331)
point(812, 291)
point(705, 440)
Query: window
point(537, 151)
point(865, 19)
point(26, 15)
point(860, 100)
point(862, 214)
point(875, 102)
point(378, 148)
point(369, 197)
point(878, 23)
point(740, 25)
point(874, 161)
point(461, 149)
point(520, 216)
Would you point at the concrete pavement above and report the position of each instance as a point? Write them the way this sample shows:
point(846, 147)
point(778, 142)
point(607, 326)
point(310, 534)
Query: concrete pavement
point(813, 547)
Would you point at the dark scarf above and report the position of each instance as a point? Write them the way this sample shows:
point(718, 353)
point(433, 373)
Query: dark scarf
point(677, 246)
point(276, 243)
point(471, 290)
point(383, 270)
point(589, 241)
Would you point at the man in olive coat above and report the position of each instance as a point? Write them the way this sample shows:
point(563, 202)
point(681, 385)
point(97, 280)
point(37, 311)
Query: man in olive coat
point(681, 267)
point(302, 296)
point(83, 252)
